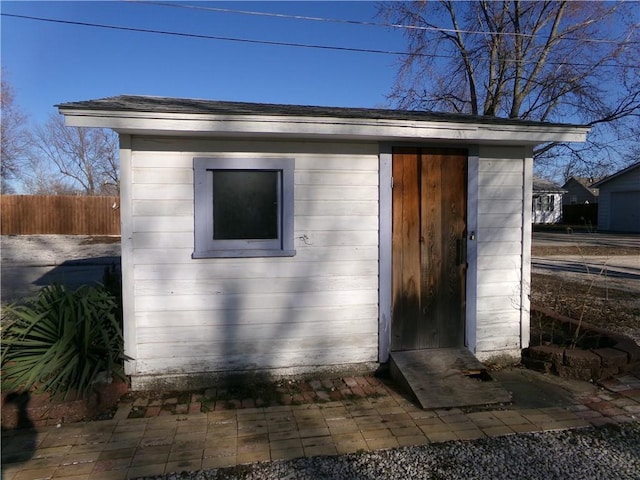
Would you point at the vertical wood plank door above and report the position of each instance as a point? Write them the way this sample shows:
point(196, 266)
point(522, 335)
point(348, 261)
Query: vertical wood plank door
point(429, 248)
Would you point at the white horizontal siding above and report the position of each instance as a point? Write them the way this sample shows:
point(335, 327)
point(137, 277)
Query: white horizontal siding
point(507, 233)
point(193, 335)
point(502, 194)
point(356, 314)
point(335, 207)
point(502, 262)
point(510, 175)
point(236, 343)
point(249, 300)
point(151, 256)
point(147, 240)
point(499, 249)
point(335, 223)
point(287, 359)
point(164, 149)
point(500, 160)
point(161, 192)
point(498, 343)
point(494, 275)
point(229, 268)
point(163, 207)
point(491, 207)
point(163, 175)
point(318, 307)
point(507, 289)
point(329, 192)
point(345, 177)
point(162, 223)
point(258, 285)
point(492, 221)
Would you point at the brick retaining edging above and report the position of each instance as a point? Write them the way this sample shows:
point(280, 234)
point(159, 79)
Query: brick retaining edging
point(589, 365)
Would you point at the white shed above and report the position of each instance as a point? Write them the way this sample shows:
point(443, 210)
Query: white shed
point(619, 208)
point(292, 239)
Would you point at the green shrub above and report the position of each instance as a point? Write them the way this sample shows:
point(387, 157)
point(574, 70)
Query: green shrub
point(62, 340)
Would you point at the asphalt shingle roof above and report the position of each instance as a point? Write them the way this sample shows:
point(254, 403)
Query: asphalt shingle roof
point(136, 103)
point(544, 185)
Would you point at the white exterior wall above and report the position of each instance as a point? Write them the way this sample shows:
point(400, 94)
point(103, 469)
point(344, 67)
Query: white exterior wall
point(501, 273)
point(319, 307)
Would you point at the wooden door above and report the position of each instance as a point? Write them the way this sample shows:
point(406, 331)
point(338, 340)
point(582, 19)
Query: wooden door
point(429, 248)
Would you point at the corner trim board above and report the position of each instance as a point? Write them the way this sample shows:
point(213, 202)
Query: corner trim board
point(385, 249)
point(126, 261)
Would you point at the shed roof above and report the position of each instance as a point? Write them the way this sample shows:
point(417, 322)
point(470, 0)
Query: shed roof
point(136, 103)
point(179, 116)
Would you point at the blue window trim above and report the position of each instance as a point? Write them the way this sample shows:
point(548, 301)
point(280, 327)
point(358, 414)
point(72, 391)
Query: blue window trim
point(204, 244)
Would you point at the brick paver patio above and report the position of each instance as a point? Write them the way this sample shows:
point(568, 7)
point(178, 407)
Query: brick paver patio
point(365, 415)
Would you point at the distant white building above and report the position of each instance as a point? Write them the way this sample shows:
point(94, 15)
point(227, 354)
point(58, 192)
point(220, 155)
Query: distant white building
point(290, 239)
point(547, 201)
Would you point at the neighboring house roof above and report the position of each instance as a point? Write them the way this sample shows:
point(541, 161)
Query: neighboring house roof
point(624, 171)
point(154, 115)
point(542, 185)
point(583, 182)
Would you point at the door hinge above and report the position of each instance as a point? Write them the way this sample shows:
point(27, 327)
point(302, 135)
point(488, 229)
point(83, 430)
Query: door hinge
point(391, 182)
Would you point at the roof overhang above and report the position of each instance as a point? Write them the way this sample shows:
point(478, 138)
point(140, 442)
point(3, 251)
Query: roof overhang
point(321, 127)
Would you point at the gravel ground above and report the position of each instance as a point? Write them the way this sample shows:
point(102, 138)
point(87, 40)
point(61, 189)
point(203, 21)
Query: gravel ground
point(608, 452)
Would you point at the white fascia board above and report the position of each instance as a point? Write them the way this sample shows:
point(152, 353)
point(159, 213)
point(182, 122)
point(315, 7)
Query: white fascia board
point(146, 123)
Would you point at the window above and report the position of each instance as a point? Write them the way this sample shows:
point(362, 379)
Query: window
point(243, 207)
point(544, 203)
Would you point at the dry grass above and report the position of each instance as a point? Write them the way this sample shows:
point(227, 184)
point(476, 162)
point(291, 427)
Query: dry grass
point(612, 309)
point(587, 297)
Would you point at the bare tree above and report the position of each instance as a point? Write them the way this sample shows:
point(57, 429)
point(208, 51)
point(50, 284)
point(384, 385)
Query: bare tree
point(14, 138)
point(39, 178)
point(554, 61)
point(86, 156)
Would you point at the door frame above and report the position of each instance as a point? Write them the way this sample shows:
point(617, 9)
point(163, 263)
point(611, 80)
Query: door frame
point(385, 218)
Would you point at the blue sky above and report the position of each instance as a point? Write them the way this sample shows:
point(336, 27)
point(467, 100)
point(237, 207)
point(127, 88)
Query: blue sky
point(50, 63)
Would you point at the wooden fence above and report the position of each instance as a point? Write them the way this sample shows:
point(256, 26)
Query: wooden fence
point(59, 214)
point(582, 214)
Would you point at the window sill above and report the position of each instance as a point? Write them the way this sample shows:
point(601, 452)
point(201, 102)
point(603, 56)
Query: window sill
point(242, 253)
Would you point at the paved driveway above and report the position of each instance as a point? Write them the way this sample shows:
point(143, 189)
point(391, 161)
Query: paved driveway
point(616, 271)
point(31, 261)
point(559, 239)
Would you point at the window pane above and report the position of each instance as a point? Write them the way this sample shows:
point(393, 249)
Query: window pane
point(245, 205)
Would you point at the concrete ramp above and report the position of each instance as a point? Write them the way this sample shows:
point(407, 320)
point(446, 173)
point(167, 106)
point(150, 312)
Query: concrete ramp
point(446, 378)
